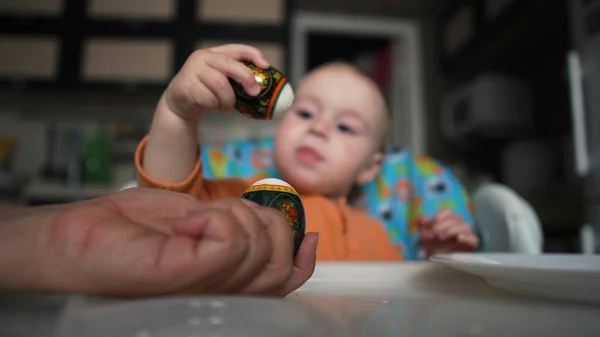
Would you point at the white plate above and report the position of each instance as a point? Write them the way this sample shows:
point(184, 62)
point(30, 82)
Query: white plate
point(557, 276)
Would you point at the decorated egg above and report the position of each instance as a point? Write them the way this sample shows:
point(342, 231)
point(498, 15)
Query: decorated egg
point(278, 194)
point(275, 97)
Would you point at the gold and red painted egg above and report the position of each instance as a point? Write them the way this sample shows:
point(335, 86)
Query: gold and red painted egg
point(278, 194)
point(275, 97)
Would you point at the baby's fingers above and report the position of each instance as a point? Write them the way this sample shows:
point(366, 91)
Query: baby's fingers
point(426, 234)
point(221, 95)
point(243, 52)
point(468, 239)
point(453, 230)
point(446, 224)
point(235, 70)
point(443, 215)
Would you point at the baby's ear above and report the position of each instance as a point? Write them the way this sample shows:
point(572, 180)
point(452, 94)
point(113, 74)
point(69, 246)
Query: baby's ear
point(371, 170)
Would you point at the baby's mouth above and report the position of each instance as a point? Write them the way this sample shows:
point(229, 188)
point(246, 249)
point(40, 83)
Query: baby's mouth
point(309, 155)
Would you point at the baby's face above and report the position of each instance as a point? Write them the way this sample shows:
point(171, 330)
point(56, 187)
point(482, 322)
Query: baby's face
point(330, 138)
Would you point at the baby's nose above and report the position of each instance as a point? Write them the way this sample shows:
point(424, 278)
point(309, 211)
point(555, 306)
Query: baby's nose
point(320, 127)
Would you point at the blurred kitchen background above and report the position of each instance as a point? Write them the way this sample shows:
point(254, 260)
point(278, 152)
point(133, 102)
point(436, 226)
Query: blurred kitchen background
point(498, 90)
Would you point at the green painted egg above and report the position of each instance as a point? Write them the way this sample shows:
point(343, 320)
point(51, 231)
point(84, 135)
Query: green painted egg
point(278, 194)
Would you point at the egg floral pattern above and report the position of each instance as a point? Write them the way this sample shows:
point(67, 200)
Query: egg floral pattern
point(279, 195)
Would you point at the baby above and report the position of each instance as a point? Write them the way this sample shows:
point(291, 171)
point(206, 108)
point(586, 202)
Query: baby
point(330, 140)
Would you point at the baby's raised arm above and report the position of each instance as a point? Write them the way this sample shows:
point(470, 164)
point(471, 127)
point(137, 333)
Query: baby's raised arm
point(202, 84)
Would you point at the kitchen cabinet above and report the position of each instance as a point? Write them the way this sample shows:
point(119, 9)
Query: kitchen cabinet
point(125, 45)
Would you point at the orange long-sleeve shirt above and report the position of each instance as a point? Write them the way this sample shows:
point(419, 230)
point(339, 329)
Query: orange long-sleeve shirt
point(345, 234)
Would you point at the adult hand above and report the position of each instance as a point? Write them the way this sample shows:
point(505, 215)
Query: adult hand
point(142, 242)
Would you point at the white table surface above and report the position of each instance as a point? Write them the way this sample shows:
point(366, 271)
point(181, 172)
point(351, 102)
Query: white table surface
point(408, 299)
point(428, 299)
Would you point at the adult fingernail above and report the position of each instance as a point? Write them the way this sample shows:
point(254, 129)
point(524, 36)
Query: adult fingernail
point(313, 239)
point(316, 243)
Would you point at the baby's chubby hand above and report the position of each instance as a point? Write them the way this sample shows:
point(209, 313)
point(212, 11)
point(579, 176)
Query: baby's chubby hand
point(447, 233)
point(202, 83)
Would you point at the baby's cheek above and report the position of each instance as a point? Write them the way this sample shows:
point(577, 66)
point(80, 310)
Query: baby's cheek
point(287, 135)
point(357, 151)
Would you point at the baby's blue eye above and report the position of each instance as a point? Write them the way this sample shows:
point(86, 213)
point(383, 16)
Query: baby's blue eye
point(345, 129)
point(304, 114)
